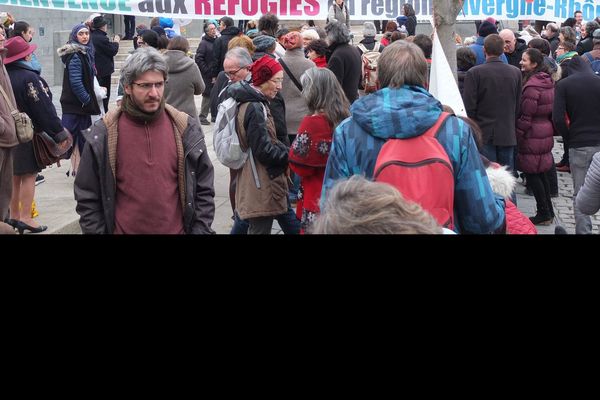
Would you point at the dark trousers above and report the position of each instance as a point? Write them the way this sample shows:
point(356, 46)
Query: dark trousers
point(290, 225)
point(129, 26)
point(541, 191)
point(380, 25)
point(105, 82)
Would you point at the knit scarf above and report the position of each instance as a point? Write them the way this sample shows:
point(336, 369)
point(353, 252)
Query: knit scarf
point(566, 56)
point(129, 107)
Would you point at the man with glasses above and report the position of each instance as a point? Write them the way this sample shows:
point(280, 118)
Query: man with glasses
point(145, 168)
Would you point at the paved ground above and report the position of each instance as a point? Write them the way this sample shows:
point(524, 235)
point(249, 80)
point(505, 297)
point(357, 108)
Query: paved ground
point(56, 203)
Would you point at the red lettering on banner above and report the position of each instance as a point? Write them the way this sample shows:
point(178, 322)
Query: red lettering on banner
point(250, 7)
point(231, 6)
point(218, 5)
point(315, 7)
point(268, 7)
point(283, 8)
point(294, 7)
point(202, 7)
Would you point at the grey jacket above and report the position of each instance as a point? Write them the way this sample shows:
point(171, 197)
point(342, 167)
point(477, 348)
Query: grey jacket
point(184, 82)
point(295, 106)
point(95, 184)
point(588, 198)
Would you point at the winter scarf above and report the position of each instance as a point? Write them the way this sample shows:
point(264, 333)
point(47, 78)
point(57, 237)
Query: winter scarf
point(129, 107)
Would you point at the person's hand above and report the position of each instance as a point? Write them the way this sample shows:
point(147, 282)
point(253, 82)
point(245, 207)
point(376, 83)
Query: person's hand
point(117, 39)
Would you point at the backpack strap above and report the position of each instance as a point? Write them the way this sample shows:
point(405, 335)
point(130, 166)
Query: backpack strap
point(240, 116)
point(292, 77)
point(362, 48)
point(432, 132)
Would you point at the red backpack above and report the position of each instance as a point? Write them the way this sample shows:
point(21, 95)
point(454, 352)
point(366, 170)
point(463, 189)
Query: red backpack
point(420, 169)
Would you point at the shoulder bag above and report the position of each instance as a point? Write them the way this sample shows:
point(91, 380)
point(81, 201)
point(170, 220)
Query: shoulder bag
point(23, 124)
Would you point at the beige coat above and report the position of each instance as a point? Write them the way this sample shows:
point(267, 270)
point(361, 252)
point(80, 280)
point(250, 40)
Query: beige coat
point(8, 134)
point(295, 106)
point(271, 198)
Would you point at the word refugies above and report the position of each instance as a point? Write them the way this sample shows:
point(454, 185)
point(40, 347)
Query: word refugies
point(551, 10)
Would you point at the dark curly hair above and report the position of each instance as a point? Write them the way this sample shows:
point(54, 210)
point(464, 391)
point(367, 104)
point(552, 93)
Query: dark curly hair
point(319, 46)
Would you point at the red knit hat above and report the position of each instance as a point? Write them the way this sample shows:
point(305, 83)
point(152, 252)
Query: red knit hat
point(263, 69)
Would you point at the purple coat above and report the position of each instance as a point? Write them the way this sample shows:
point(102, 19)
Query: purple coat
point(534, 125)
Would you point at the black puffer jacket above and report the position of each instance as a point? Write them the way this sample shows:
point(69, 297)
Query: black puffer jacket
point(273, 155)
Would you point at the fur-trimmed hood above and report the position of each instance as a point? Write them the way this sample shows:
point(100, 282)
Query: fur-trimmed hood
point(502, 181)
point(70, 48)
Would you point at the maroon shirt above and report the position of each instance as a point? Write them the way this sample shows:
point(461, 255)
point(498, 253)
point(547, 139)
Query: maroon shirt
point(147, 196)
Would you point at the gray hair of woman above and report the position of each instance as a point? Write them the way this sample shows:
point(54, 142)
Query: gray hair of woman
point(359, 206)
point(337, 33)
point(319, 86)
point(402, 63)
point(142, 60)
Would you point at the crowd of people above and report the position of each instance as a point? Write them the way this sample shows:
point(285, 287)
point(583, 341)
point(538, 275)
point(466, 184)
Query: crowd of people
point(317, 120)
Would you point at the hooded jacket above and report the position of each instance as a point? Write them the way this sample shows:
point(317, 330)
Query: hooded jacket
point(77, 95)
point(404, 113)
point(578, 95)
point(184, 81)
point(534, 125)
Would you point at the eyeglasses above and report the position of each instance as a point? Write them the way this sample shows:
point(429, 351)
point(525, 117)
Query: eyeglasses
point(147, 86)
point(233, 73)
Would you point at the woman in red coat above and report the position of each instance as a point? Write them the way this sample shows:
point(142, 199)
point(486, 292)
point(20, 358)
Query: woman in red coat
point(310, 150)
point(535, 131)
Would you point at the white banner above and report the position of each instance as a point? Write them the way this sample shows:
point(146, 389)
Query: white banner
point(551, 10)
point(441, 81)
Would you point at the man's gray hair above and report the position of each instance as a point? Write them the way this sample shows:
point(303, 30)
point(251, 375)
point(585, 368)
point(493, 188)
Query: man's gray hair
point(402, 63)
point(240, 55)
point(337, 33)
point(142, 60)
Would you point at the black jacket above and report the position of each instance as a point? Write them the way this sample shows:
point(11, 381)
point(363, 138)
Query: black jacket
point(345, 63)
point(204, 58)
point(369, 43)
point(34, 98)
point(105, 53)
point(411, 25)
point(492, 96)
point(220, 48)
point(578, 96)
point(515, 57)
point(585, 45)
point(274, 156)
